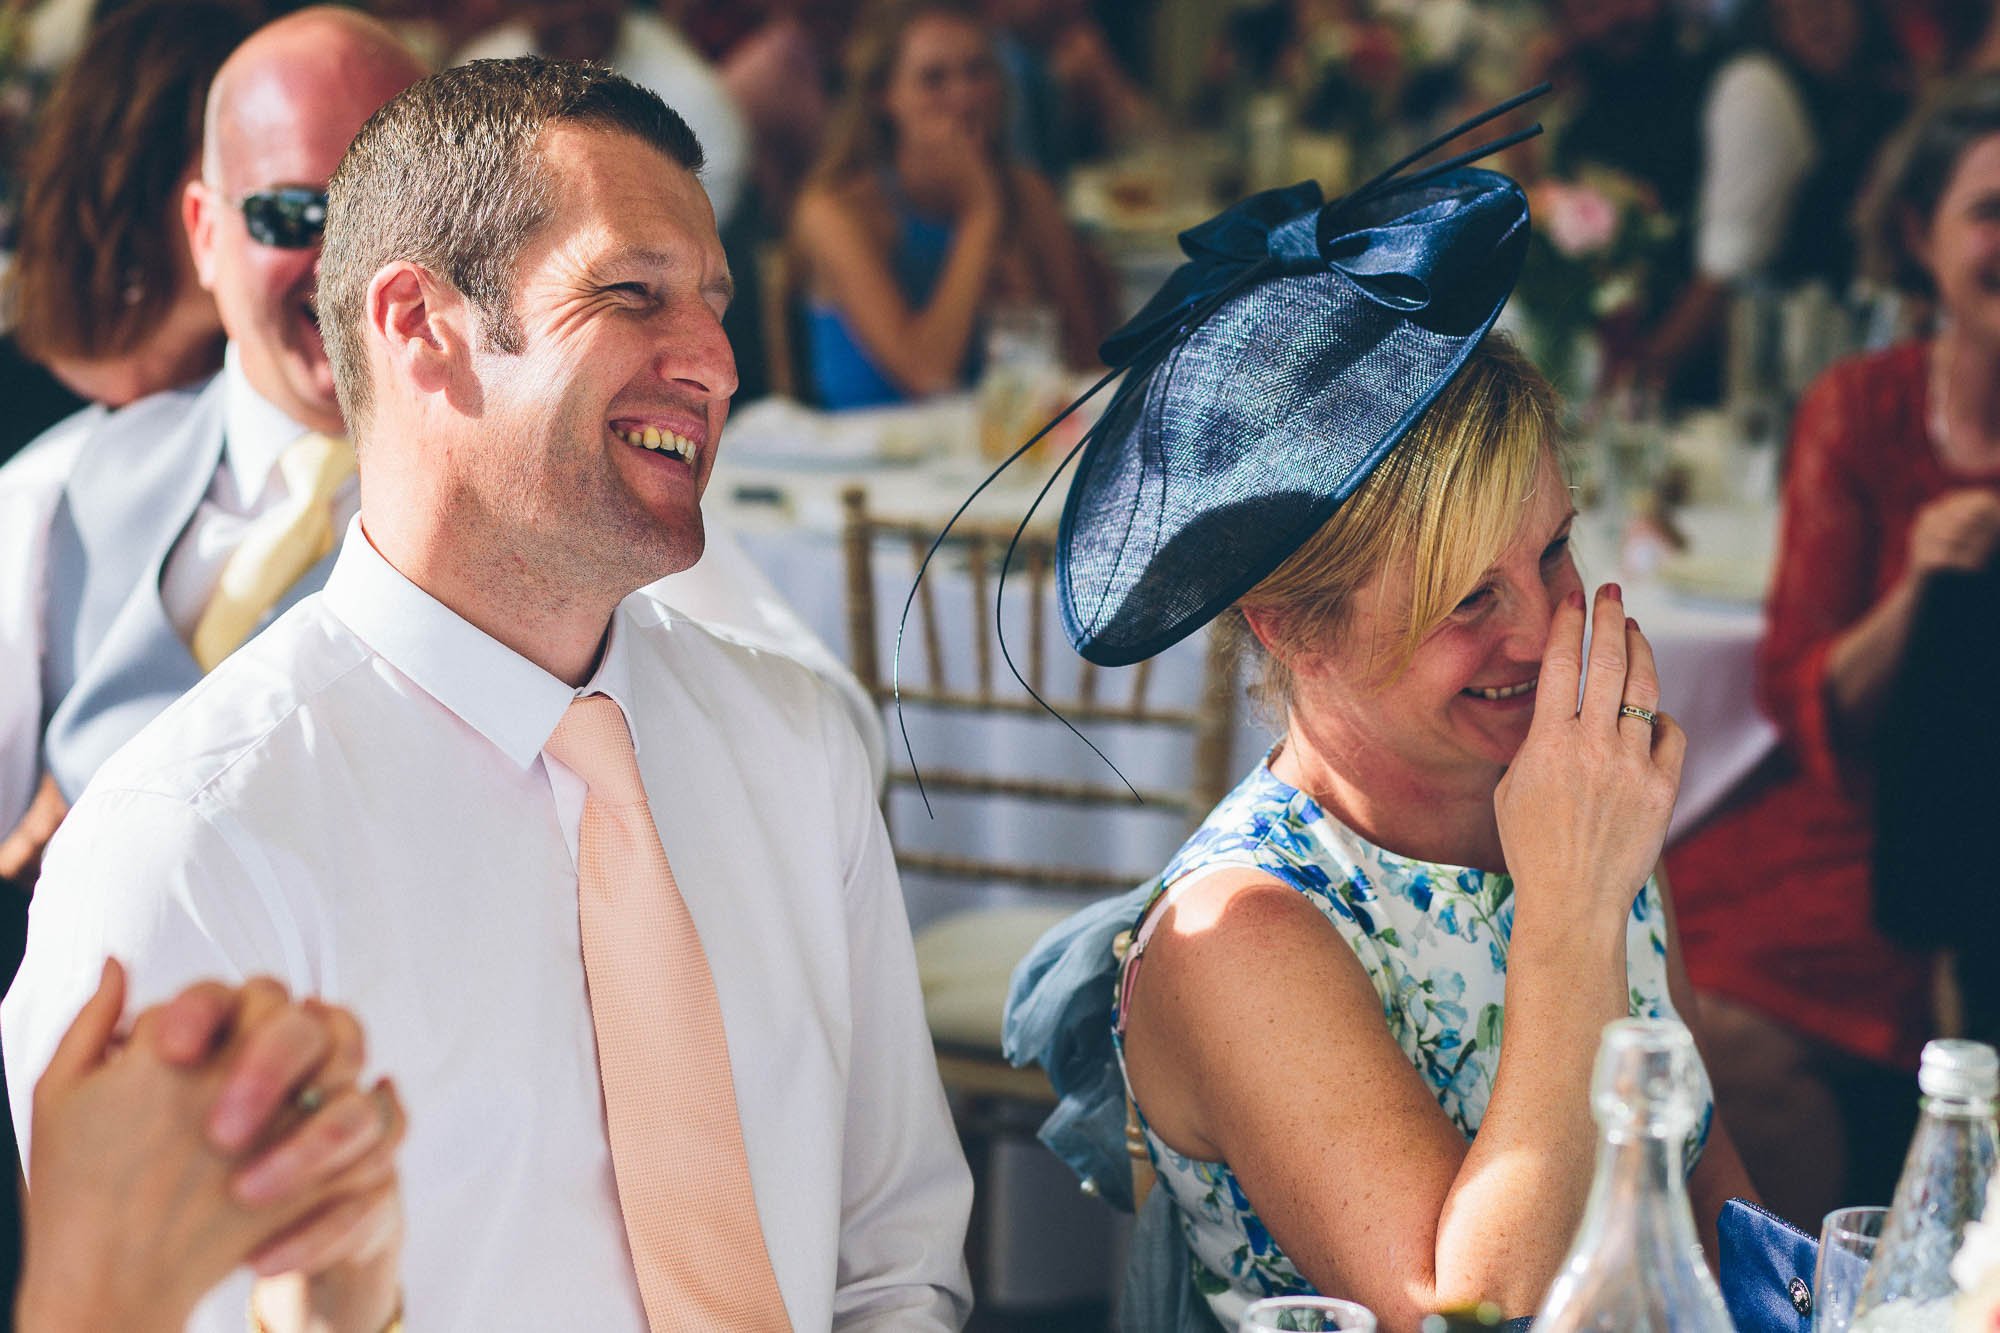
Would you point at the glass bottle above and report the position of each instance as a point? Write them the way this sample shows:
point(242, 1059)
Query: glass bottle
point(1636, 1265)
point(1941, 1191)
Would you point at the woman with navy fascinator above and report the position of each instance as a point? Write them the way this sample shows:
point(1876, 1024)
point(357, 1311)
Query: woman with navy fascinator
point(1320, 440)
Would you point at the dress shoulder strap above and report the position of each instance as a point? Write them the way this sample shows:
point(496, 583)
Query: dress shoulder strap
point(1131, 946)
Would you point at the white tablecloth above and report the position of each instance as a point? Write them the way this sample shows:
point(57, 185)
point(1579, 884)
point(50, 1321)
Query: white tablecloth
point(779, 478)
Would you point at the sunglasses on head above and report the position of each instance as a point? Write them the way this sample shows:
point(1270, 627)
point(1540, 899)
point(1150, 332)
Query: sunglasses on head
point(289, 217)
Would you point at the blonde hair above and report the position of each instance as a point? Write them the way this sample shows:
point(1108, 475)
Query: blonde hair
point(1448, 500)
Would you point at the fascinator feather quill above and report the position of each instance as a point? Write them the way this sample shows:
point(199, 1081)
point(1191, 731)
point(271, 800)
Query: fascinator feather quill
point(1264, 382)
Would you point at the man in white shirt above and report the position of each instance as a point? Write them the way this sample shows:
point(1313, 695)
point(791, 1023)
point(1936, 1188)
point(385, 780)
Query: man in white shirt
point(116, 529)
point(522, 295)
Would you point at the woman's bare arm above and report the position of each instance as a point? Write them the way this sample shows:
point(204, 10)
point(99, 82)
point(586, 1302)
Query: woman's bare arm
point(921, 350)
point(1256, 1038)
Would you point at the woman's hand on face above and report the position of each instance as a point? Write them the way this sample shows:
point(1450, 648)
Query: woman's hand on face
point(1958, 530)
point(1583, 809)
point(943, 155)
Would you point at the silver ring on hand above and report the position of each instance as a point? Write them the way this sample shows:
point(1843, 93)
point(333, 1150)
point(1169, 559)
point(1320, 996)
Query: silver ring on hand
point(308, 1100)
point(1646, 715)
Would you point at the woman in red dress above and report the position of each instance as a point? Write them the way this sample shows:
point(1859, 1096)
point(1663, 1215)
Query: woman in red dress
point(1894, 475)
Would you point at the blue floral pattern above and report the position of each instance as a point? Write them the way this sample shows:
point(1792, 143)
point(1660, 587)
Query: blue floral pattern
point(1432, 938)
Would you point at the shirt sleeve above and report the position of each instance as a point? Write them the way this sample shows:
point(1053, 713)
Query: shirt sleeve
point(1828, 552)
point(905, 1190)
point(147, 879)
point(1757, 148)
point(23, 556)
point(31, 488)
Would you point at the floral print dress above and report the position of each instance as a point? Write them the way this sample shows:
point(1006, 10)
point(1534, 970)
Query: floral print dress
point(1433, 940)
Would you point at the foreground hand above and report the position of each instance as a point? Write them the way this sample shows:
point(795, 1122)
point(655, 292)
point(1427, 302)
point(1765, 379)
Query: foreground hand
point(1958, 530)
point(1583, 809)
point(162, 1164)
point(130, 1220)
point(21, 850)
point(341, 1257)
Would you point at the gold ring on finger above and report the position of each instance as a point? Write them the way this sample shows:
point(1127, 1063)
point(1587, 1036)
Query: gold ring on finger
point(1646, 715)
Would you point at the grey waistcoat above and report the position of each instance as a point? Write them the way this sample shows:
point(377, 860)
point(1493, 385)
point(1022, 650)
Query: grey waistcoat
point(112, 660)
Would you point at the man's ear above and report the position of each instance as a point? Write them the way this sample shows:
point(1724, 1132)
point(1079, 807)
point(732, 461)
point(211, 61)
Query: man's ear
point(201, 213)
point(420, 323)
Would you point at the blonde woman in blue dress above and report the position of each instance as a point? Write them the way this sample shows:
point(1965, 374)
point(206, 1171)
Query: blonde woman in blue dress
point(1454, 840)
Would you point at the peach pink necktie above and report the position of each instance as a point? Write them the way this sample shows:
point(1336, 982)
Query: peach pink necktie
point(669, 1101)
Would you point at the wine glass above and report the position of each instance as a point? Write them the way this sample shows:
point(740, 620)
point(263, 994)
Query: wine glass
point(1846, 1244)
point(1307, 1312)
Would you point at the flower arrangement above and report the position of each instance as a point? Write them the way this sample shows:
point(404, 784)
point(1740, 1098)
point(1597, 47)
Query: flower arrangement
point(1596, 243)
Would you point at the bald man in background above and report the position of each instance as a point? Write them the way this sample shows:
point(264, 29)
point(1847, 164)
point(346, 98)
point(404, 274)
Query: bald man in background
point(169, 544)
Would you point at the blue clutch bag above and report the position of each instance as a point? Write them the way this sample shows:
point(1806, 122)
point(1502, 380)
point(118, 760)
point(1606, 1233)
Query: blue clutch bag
point(1767, 1270)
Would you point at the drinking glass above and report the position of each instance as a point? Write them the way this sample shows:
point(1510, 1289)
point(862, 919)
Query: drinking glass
point(1846, 1244)
point(1307, 1312)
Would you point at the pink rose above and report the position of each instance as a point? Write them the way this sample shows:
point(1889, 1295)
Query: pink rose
point(1579, 219)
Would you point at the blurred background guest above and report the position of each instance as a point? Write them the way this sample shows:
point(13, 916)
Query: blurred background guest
point(1894, 476)
point(776, 58)
point(1069, 97)
point(102, 289)
point(1631, 76)
point(161, 494)
point(1789, 127)
point(638, 43)
point(917, 222)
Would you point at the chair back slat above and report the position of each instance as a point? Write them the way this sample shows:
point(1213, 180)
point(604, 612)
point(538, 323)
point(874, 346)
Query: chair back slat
point(1141, 675)
point(927, 616)
point(855, 540)
point(777, 291)
point(1215, 724)
point(1038, 589)
point(976, 556)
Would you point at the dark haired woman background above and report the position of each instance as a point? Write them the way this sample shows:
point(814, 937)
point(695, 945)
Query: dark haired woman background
point(1893, 477)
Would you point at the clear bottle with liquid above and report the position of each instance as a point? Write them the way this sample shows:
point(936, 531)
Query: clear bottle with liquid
point(1636, 1265)
point(1941, 1191)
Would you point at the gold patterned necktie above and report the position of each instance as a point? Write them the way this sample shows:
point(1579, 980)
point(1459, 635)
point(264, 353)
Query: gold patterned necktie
point(669, 1099)
point(278, 546)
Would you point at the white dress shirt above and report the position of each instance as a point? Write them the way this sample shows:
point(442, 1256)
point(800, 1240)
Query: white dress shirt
point(1758, 146)
point(357, 803)
point(728, 593)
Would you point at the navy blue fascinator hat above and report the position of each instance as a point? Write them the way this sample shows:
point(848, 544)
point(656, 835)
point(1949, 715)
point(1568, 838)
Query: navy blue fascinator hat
point(1332, 327)
point(1263, 383)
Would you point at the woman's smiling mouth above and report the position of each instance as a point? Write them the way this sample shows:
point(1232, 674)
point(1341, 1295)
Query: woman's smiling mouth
point(1498, 692)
